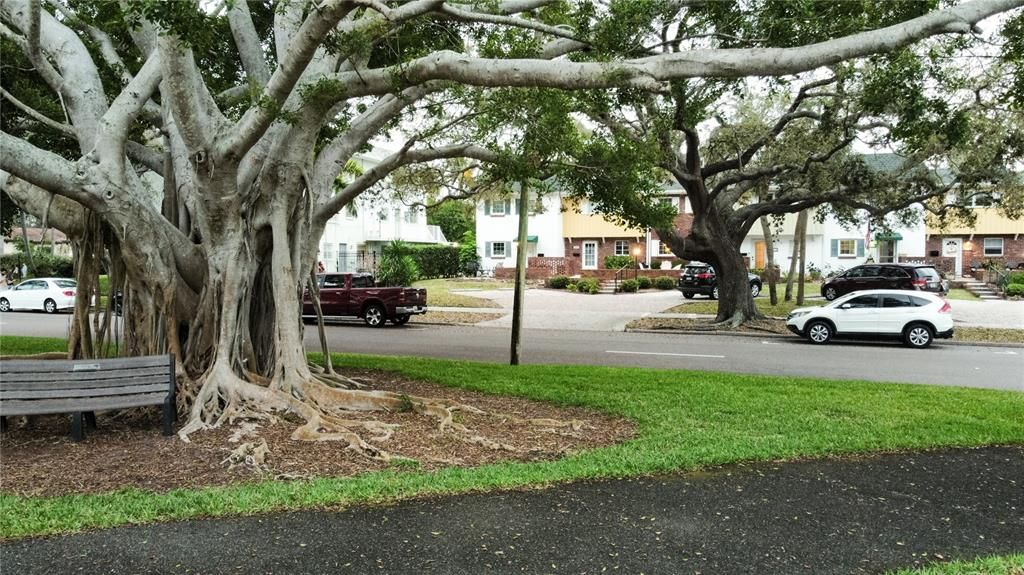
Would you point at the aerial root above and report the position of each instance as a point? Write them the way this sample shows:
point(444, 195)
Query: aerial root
point(334, 379)
point(249, 454)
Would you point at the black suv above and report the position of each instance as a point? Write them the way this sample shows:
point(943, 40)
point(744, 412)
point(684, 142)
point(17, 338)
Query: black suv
point(919, 277)
point(700, 279)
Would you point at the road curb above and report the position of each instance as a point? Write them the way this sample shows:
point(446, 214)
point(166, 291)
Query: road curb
point(785, 336)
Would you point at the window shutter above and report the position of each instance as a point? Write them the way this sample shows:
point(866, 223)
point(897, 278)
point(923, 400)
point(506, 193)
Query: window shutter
point(508, 206)
point(488, 250)
point(860, 248)
point(487, 209)
point(835, 248)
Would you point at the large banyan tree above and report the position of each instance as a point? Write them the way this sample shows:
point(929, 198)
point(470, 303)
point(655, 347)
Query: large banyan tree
point(193, 152)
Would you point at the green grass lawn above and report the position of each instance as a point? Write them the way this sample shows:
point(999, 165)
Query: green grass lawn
point(19, 345)
point(439, 292)
point(1008, 565)
point(762, 302)
point(958, 293)
point(685, 420)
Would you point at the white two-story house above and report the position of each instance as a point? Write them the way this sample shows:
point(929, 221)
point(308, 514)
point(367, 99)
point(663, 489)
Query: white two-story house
point(354, 239)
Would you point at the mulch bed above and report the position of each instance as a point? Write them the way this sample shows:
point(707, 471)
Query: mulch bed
point(127, 449)
point(767, 325)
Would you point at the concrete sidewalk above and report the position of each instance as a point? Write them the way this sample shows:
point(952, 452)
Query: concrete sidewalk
point(859, 515)
point(561, 310)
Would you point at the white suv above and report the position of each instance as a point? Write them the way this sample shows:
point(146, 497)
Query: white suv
point(915, 317)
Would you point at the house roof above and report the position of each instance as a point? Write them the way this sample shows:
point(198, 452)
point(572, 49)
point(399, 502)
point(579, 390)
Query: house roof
point(35, 235)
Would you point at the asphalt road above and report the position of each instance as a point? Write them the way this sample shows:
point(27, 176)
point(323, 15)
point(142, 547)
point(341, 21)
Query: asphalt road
point(942, 364)
point(828, 516)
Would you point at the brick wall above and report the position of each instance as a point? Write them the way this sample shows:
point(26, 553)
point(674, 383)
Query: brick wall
point(605, 247)
point(974, 250)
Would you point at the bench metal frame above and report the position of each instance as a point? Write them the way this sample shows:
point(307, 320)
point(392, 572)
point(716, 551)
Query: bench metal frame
point(82, 387)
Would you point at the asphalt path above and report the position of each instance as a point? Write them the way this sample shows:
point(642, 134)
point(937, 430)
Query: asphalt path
point(859, 515)
point(942, 364)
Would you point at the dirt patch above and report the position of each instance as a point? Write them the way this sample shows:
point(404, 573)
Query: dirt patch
point(127, 449)
point(768, 325)
point(454, 317)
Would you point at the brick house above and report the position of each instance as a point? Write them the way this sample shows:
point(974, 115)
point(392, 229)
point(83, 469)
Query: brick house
point(993, 237)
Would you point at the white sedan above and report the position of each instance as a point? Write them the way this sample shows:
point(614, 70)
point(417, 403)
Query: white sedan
point(915, 317)
point(47, 294)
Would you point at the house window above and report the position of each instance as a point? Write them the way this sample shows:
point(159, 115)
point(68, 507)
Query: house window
point(993, 246)
point(497, 208)
point(664, 249)
point(847, 248)
point(498, 249)
point(670, 202)
point(410, 216)
point(621, 248)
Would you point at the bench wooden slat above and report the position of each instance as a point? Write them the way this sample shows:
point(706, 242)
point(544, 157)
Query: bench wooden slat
point(46, 406)
point(65, 365)
point(78, 376)
point(91, 392)
point(56, 385)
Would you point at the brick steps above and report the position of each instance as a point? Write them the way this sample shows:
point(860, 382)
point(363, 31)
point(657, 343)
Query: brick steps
point(982, 290)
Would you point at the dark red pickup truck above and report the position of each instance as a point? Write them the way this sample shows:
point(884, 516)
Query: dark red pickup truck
point(344, 295)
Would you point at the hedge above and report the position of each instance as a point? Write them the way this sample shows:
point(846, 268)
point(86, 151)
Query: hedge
point(558, 282)
point(618, 262)
point(664, 282)
point(644, 282)
point(435, 261)
point(1015, 290)
point(630, 286)
point(46, 264)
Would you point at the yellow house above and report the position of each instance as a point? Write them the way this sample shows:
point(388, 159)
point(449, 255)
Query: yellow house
point(992, 237)
point(589, 237)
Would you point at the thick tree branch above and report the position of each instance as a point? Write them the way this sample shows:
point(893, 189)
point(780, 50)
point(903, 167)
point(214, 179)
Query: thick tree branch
point(43, 169)
point(248, 42)
point(126, 107)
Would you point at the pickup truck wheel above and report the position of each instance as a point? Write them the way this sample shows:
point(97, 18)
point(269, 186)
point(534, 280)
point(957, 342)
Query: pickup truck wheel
point(374, 315)
point(714, 293)
point(401, 319)
point(688, 294)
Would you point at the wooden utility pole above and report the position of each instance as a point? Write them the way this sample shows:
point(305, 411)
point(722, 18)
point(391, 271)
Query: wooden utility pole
point(517, 305)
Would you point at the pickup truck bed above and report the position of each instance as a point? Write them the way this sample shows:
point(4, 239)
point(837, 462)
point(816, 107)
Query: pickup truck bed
point(355, 295)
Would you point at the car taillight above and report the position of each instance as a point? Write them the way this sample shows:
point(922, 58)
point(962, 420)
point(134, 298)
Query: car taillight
point(69, 293)
point(704, 276)
point(919, 282)
point(401, 296)
point(945, 308)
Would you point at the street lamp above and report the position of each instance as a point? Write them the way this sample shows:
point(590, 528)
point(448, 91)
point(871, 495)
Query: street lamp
point(636, 256)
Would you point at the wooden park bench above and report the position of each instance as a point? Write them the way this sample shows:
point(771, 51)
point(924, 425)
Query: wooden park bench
point(83, 387)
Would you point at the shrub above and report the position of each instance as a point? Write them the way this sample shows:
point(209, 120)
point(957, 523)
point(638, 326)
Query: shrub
point(1015, 290)
point(664, 282)
point(644, 282)
point(558, 282)
point(618, 262)
point(45, 263)
point(629, 286)
point(469, 262)
point(1016, 278)
point(397, 267)
point(436, 261)
point(588, 285)
point(571, 287)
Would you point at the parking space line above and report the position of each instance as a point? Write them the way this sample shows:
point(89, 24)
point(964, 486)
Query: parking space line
point(668, 354)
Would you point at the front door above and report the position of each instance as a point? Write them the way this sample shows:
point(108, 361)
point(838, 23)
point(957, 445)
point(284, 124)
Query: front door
point(887, 251)
point(953, 248)
point(760, 254)
point(590, 255)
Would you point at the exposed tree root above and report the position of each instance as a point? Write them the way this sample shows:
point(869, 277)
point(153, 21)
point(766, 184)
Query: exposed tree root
point(225, 397)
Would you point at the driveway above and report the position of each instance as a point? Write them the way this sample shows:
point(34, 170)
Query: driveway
point(991, 313)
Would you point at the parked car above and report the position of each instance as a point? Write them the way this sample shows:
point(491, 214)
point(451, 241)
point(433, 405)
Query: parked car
point(48, 294)
point(915, 317)
point(919, 277)
point(700, 279)
point(355, 295)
